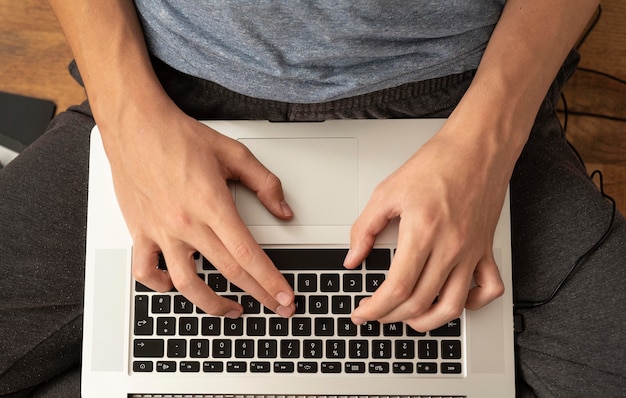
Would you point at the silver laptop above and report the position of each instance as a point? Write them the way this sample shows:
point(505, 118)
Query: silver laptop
point(139, 343)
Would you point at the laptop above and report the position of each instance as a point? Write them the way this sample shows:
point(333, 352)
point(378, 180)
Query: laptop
point(140, 343)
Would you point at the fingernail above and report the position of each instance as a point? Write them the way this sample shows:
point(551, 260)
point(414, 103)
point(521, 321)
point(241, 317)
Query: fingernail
point(233, 314)
point(287, 212)
point(284, 298)
point(285, 312)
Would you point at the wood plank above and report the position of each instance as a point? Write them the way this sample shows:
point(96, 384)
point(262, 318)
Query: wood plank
point(35, 54)
point(602, 142)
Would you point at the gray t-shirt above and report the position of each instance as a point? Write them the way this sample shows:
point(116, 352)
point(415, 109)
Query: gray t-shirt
point(318, 50)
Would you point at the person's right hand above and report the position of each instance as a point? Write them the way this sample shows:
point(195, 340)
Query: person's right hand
point(170, 174)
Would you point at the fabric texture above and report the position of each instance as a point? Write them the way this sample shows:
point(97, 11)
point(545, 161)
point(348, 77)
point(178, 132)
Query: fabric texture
point(315, 51)
point(571, 347)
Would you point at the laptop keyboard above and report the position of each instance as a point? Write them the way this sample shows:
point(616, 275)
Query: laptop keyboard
point(172, 335)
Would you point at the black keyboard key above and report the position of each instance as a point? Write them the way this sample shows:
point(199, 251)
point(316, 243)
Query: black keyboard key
point(378, 259)
point(141, 307)
point(222, 348)
point(206, 265)
point(331, 367)
point(381, 349)
point(144, 326)
point(307, 259)
point(402, 367)
point(256, 326)
point(235, 289)
point(244, 348)
point(358, 299)
point(300, 303)
point(404, 349)
point(189, 366)
point(307, 367)
point(267, 349)
point(161, 304)
point(341, 305)
point(413, 333)
point(352, 283)
point(166, 366)
point(427, 349)
point(278, 326)
point(212, 367)
point(148, 348)
point(141, 288)
point(182, 305)
point(358, 349)
point(373, 282)
point(300, 326)
point(324, 326)
point(143, 366)
point(307, 283)
point(211, 326)
point(177, 348)
point(450, 349)
point(290, 278)
point(233, 327)
point(188, 326)
point(450, 329)
point(199, 348)
point(345, 327)
point(312, 348)
point(329, 283)
point(166, 326)
point(427, 367)
point(284, 367)
point(236, 367)
point(370, 328)
point(451, 368)
point(290, 348)
point(217, 282)
point(393, 329)
point(378, 367)
point(335, 349)
point(260, 367)
point(354, 367)
point(250, 305)
point(318, 305)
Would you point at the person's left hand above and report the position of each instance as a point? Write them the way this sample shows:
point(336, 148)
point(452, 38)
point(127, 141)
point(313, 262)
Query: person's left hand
point(449, 197)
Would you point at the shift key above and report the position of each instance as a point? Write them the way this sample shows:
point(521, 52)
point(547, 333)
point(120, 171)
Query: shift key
point(148, 348)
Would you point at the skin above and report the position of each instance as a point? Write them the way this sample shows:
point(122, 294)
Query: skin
point(448, 195)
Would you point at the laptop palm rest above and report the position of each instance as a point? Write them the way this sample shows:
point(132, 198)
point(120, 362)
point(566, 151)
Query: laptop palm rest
point(329, 167)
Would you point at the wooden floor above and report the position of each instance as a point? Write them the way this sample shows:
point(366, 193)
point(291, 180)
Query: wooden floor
point(34, 58)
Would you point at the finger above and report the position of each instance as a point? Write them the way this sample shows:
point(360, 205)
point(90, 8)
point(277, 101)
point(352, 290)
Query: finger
point(216, 253)
point(182, 269)
point(450, 303)
point(489, 285)
point(372, 221)
point(145, 261)
point(264, 183)
point(412, 253)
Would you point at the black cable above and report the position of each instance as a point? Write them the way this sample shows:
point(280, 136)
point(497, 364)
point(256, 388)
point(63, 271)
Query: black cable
point(581, 259)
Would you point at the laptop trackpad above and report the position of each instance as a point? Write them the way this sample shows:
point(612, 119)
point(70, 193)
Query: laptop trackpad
point(319, 178)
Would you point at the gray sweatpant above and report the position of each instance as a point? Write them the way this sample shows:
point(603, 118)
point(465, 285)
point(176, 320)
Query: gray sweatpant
point(574, 345)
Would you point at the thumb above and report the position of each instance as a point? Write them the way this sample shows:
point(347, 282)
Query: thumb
point(267, 186)
point(489, 285)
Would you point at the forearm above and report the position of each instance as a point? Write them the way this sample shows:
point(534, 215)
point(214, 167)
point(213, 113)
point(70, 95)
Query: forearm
point(108, 44)
point(526, 50)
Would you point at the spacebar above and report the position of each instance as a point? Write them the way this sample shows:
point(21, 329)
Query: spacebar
point(307, 259)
